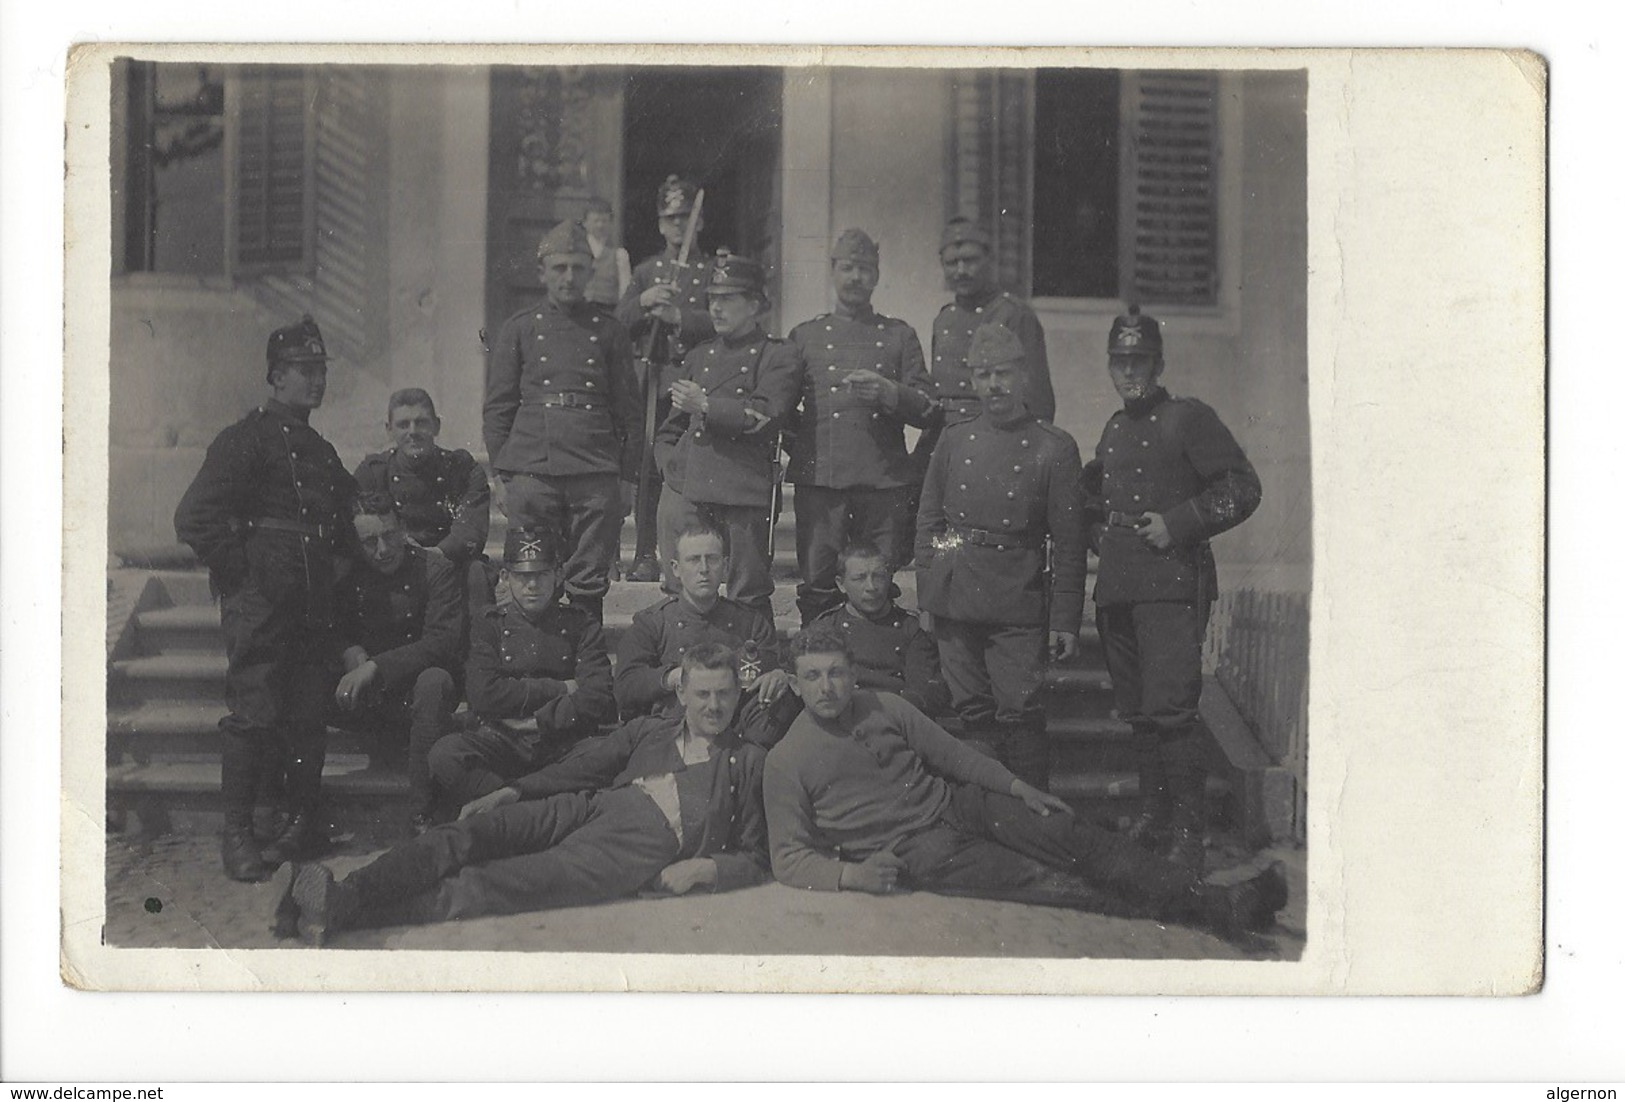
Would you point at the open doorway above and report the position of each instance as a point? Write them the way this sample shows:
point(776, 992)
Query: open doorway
point(719, 127)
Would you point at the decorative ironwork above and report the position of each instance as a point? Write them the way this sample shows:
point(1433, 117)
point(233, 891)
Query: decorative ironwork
point(554, 126)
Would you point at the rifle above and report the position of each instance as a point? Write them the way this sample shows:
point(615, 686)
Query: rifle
point(651, 372)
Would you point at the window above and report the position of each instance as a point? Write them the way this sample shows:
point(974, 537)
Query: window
point(175, 210)
point(1098, 184)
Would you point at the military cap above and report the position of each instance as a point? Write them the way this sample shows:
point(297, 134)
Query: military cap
point(674, 196)
point(293, 344)
point(732, 274)
point(563, 239)
point(856, 246)
point(529, 550)
point(959, 231)
point(1134, 332)
point(993, 344)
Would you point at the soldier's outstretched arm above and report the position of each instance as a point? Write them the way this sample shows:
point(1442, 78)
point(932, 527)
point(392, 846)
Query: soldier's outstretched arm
point(593, 766)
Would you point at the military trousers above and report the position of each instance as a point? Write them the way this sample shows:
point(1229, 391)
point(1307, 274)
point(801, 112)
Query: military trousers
point(647, 506)
point(560, 851)
point(747, 533)
point(585, 512)
point(827, 520)
point(466, 765)
point(992, 846)
point(995, 675)
point(281, 669)
point(408, 724)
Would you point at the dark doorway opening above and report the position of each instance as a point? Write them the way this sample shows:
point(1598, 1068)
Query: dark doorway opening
point(719, 127)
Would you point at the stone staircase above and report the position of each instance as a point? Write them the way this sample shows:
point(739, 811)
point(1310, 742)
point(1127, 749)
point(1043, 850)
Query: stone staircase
point(166, 680)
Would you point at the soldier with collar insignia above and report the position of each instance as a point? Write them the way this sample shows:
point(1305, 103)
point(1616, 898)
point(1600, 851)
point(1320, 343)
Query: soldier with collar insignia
point(891, 651)
point(404, 618)
point(561, 417)
point(538, 677)
point(649, 658)
point(1167, 477)
point(663, 290)
point(442, 497)
point(865, 380)
point(1000, 488)
point(719, 447)
point(268, 515)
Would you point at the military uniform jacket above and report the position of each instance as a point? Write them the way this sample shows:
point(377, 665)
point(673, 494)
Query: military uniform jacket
point(734, 834)
point(840, 440)
point(444, 500)
point(662, 633)
point(517, 668)
point(991, 496)
point(893, 654)
point(560, 396)
point(711, 458)
point(409, 621)
point(1175, 457)
point(695, 327)
point(270, 465)
point(950, 345)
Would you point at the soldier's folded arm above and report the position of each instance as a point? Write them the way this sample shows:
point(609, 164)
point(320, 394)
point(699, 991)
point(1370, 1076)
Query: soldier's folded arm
point(492, 690)
point(1232, 490)
point(445, 616)
point(593, 702)
point(792, 832)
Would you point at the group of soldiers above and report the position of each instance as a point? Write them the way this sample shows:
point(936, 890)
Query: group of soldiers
point(364, 601)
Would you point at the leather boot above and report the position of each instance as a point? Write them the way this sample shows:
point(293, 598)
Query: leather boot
point(592, 606)
point(1233, 911)
point(305, 834)
point(1150, 827)
point(325, 906)
point(304, 837)
point(239, 777)
point(646, 569)
point(240, 855)
point(1187, 787)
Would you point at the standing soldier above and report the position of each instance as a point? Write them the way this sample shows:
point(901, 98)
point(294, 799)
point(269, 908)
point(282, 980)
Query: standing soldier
point(267, 514)
point(442, 497)
point(719, 448)
point(966, 253)
point(561, 416)
point(672, 294)
point(998, 487)
point(1167, 476)
point(865, 379)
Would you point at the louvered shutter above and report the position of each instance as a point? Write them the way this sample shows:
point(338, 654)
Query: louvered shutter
point(272, 205)
point(1169, 251)
point(350, 160)
point(992, 159)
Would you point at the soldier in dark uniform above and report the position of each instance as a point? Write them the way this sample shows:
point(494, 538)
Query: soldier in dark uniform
point(268, 514)
point(966, 252)
point(670, 804)
point(649, 658)
point(402, 612)
point(441, 497)
point(865, 379)
point(662, 291)
point(538, 677)
point(998, 487)
point(891, 651)
point(1167, 476)
point(719, 447)
point(561, 417)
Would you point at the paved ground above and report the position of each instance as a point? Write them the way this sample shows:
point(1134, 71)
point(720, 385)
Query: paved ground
point(168, 892)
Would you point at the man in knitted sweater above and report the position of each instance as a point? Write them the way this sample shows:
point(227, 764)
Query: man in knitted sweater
point(864, 793)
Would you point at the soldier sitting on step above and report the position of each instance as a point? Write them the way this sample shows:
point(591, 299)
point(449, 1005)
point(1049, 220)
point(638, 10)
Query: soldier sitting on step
point(648, 661)
point(538, 677)
point(401, 613)
point(891, 651)
point(442, 497)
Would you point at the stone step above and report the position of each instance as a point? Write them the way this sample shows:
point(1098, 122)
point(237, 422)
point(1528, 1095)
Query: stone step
point(156, 729)
point(191, 628)
point(345, 776)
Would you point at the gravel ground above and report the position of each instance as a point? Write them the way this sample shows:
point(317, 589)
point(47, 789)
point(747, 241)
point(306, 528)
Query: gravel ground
point(167, 892)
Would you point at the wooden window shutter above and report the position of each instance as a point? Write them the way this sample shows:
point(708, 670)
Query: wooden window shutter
point(1169, 252)
point(350, 158)
point(992, 164)
point(272, 203)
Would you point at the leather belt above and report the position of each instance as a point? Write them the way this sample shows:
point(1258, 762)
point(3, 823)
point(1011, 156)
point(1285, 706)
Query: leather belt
point(277, 524)
point(957, 536)
point(1125, 520)
point(570, 399)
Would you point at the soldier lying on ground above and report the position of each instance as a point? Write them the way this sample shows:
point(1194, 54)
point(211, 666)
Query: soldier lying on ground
point(538, 677)
point(864, 793)
point(403, 619)
point(667, 803)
